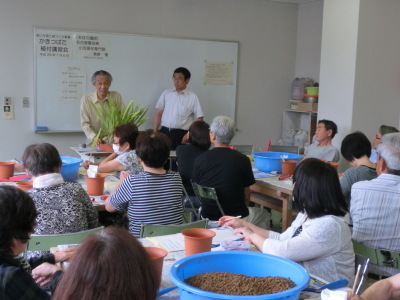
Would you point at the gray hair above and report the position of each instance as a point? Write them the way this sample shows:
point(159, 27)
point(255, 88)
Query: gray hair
point(224, 129)
point(389, 150)
point(385, 129)
point(101, 73)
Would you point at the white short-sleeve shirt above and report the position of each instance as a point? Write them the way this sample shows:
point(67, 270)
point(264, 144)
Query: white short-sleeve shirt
point(180, 110)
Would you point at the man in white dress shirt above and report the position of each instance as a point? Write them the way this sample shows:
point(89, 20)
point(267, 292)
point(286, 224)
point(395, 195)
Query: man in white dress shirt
point(375, 204)
point(177, 109)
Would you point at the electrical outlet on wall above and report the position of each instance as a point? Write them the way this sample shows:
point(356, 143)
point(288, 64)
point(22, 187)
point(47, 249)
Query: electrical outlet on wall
point(7, 100)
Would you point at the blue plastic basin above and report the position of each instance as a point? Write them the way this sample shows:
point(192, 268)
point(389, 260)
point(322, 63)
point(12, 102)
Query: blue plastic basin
point(70, 167)
point(239, 262)
point(272, 161)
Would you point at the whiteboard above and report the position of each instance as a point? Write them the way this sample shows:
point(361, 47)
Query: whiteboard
point(141, 66)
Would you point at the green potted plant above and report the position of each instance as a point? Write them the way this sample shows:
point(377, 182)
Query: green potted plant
point(111, 116)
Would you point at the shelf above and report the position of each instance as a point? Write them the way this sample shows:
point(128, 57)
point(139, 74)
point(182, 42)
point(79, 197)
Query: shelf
point(304, 120)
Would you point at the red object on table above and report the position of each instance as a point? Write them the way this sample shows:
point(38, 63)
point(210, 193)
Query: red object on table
point(268, 145)
point(283, 177)
point(19, 177)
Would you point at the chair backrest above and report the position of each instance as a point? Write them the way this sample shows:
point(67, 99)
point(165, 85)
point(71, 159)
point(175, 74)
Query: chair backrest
point(188, 211)
point(377, 256)
point(46, 241)
point(283, 148)
point(208, 193)
point(362, 261)
point(149, 230)
point(245, 149)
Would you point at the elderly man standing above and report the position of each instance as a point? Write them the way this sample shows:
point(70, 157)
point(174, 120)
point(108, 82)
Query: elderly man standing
point(323, 148)
point(230, 173)
point(375, 204)
point(90, 121)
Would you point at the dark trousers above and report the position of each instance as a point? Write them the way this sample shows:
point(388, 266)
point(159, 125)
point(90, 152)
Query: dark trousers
point(175, 135)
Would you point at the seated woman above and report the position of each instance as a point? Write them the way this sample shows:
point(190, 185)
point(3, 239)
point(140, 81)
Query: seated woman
point(199, 142)
point(63, 207)
point(318, 238)
point(124, 157)
point(17, 220)
point(356, 149)
point(109, 265)
point(153, 196)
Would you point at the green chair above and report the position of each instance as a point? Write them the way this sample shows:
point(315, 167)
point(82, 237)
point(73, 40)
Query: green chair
point(46, 241)
point(203, 192)
point(149, 230)
point(377, 256)
point(187, 213)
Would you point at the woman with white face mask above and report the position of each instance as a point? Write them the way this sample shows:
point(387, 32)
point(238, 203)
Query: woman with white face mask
point(124, 157)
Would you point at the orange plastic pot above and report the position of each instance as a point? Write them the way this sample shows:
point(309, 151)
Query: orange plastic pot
point(95, 185)
point(197, 240)
point(106, 147)
point(25, 185)
point(156, 256)
point(334, 164)
point(6, 169)
point(288, 167)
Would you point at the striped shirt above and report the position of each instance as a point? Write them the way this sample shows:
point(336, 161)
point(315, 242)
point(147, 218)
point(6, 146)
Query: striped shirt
point(150, 198)
point(375, 212)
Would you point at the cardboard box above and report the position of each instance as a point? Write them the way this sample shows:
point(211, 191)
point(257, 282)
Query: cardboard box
point(307, 106)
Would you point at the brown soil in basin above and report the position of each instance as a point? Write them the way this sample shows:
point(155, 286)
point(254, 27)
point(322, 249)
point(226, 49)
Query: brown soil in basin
point(240, 285)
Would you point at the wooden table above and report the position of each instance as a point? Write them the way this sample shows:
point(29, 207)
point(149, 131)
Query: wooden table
point(276, 194)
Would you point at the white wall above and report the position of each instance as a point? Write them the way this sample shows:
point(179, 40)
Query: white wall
point(309, 37)
point(338, 64)
point(377, 84)
point(265, 30)
point(360, 65)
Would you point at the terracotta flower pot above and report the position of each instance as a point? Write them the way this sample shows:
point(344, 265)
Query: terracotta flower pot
point(197, 240)
point(106, 147)
point(156, 256)
point(334, 164)
point(25, 185)
point(288, 167)
point(6, 169)
point(95, 185)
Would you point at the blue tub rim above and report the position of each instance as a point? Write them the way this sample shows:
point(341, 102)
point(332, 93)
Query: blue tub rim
point(291, 156)
point(73, 159)
point(191, 289)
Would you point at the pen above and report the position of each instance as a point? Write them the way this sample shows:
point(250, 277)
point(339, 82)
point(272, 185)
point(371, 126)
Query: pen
point(237, 217)
point(226, 220)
